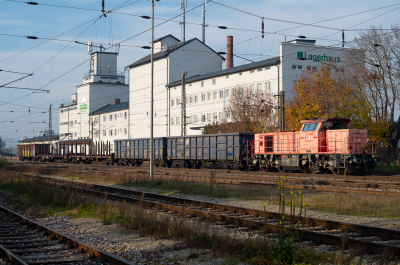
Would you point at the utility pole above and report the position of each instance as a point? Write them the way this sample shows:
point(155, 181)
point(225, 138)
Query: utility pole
point(152, 87)
point(50, 130)
point(183, 7)
point(183, 107)
point(92, 139)
point(204, 22)
point(281, 110)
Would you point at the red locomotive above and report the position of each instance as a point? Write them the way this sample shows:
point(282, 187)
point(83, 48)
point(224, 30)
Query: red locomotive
point(322, 145)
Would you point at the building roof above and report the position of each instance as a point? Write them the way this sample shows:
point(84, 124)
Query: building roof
point(164, 54)
point(111, 108)
point(166, 36)
point(232, 70)
point(40, 139)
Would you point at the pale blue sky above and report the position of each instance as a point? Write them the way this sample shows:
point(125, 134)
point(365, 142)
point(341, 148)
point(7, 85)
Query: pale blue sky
point(18, 18)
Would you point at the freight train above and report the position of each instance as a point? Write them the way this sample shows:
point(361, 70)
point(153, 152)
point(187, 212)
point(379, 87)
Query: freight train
point(321, 146)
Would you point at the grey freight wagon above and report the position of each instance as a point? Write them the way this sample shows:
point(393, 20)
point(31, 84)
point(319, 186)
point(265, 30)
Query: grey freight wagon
point(135, 151)
point(227, 149)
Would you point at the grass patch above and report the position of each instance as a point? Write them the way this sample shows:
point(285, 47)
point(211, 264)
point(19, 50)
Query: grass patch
point(179, 185)
point(382, 169)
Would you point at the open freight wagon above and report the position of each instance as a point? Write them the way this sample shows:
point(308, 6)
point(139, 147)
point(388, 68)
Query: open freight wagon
point(33, 152)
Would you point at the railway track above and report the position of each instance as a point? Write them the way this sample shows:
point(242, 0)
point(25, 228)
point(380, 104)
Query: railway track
point(372, 239)
point(23, 241)
point(330, 184)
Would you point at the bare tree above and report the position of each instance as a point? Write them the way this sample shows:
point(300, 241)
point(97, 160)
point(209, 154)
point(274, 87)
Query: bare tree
point(373, 69)
point(251, 110)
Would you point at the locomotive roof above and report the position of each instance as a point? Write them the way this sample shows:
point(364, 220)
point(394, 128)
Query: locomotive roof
point(322, 120)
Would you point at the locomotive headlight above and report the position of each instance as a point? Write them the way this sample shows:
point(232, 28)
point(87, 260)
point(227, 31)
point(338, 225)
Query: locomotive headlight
point(378, 160)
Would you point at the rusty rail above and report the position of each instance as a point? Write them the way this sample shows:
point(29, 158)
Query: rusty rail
point(72, 243)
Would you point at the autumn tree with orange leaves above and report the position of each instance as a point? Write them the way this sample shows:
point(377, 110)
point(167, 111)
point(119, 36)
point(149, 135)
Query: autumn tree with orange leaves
point(327, 93)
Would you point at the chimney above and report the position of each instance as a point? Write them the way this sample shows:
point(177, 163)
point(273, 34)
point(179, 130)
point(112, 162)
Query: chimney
point(229, 52)
point(116, 101)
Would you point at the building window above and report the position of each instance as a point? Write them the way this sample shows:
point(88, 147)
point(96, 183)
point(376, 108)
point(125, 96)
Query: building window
point(215, 116)
point(104, 133)
point(228, 116)
point(226, 93)
point(115, 132)
point(221, 116)
point(195, 119)
point(115, 117)
point(111, 147)
point(297, 67)
point(214, 81)
point(178, 121)
point(233, 91)
point(126, 115)
point(110, 117)
point(105, 118)
point(172, 102)
point(313, 68)
point(203, 97)
point(98, 70)
point(252, 71)
point(267, 68)
point(209, 96)
point(111, 132)
point(208, 117)
point(190, 119)
point(203, 117)
point(267, 86)
point(338, 70)
point(259, 69)
point(125, 131)
point(178, 101)
point(259, 87)
point(202, 83)
point(227, 76)
point(172, 121)
point(253, 88)
point(191, 100)
point(215, 95)
point(196, 99)
point(240, 73)
point(221, 94)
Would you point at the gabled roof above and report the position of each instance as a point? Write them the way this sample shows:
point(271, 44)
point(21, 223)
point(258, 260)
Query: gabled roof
point(40, 139)
point(164, 54)
point(111, 108)
point(166, 36)
point(232, 70)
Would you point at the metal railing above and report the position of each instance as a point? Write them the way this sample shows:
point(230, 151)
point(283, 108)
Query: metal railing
point(104, 73)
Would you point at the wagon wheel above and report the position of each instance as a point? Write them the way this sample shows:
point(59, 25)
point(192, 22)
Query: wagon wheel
point(337, 171)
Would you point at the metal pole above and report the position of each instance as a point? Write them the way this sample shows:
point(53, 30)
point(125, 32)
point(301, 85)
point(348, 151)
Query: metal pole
point(50, 129)
point(183, 107)
point(68, 123)
point(151, 98)
point(204, 22)
point(183, 7)
point(282, 111)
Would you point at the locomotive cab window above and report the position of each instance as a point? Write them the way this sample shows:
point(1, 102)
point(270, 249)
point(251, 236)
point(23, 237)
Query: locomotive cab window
point(310, 127)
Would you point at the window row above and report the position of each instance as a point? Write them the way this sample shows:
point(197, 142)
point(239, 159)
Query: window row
point(205, 118)
point(215, 95)
point(111, 117)
point(313, 68)
point(115, 132)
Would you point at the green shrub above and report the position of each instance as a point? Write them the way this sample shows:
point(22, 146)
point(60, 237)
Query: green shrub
point(3, 162)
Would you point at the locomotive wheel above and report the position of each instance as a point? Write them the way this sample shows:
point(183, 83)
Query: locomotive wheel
point(337, 171)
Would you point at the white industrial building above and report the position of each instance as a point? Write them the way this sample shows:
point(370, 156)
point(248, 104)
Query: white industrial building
point(105, 108)
point(101, 86)
point(208, 87)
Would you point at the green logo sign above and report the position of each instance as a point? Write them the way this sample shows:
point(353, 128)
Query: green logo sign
point(316, 58)
point(84, 106)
